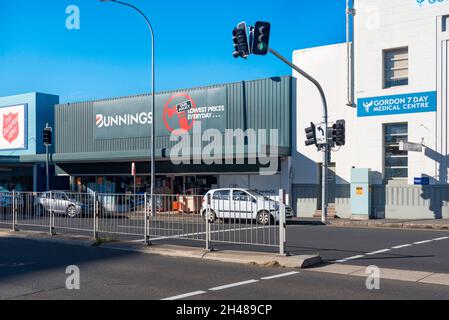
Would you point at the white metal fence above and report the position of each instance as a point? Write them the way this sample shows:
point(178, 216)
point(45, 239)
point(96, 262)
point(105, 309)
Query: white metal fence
point(232, 217)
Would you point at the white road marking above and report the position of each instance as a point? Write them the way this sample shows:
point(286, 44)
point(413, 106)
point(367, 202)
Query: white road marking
point(203, 233)
point(423, 242)
point(232, 285)
point(402, 246)
point(439, 239)
point(182, 296)
point(351, 258)
point(280, 275)
point(378, 252)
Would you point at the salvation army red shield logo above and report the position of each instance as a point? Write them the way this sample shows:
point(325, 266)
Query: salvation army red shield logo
point(11, 128)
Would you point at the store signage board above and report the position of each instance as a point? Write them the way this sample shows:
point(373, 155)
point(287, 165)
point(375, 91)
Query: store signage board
point(424, 181)
point(14, 128)
point(175, 112)
point(429, 3)
point(397, 104)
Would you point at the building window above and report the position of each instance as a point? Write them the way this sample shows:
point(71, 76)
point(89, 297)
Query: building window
point(396, 161)
point(396, 67)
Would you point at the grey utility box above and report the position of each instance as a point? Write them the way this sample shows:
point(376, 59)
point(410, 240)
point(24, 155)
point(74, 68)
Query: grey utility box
point(360, 194)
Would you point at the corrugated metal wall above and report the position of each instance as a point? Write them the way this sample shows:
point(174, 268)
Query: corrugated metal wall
point(387, 202)
point(268, 105)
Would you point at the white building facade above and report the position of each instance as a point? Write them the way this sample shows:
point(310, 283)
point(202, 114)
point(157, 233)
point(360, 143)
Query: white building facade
point(391, 86)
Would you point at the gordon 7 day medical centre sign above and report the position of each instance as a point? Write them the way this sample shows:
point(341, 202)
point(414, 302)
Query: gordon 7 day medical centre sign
point(397, 104)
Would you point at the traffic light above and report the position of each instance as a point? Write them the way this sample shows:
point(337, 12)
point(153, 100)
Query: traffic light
point(261, 38)
point(339, 133)
point(48, 133)
point(241, 44)
point(311, 135)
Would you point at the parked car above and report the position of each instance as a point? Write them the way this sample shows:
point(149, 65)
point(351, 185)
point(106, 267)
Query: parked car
point(63, 202)
point(243, 204)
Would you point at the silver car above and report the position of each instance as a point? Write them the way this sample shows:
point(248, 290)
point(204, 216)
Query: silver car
point(243, 204)
point(61, 202)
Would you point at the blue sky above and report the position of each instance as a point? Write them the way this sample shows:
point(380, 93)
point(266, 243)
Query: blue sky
point(110, 55)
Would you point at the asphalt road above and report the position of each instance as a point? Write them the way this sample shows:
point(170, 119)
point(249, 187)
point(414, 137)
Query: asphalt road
point(420, 250)
point(36, 270)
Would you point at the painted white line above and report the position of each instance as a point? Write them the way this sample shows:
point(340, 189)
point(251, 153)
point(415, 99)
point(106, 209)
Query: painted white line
point(203, 233)
point(423, 242)
point(280, 275)
point(439, 239)
point(378, 252)
point(182, 296)
point(402, 246)
point(238, 284)
point(351, 258)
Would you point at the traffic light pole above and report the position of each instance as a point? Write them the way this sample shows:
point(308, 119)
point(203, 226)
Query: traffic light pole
point(326, 147)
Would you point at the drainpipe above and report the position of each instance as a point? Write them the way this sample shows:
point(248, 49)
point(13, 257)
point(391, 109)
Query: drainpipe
point(350, 11)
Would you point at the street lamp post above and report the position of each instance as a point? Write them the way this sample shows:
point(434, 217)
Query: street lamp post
point(153, 89)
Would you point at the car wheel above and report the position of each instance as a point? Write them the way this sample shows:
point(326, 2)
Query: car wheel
point(264, 218)
point(211, 217)
point(71, 211)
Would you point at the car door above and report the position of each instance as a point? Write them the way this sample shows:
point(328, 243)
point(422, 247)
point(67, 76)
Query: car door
point(221, 203)
point(242, 204)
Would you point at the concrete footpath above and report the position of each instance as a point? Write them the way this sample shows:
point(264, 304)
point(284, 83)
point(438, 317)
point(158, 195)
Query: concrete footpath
point(440, 225)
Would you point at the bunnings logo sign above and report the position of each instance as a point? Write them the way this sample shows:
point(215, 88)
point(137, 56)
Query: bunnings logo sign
point(397, 104)
point(120, 120)
point(175, 112)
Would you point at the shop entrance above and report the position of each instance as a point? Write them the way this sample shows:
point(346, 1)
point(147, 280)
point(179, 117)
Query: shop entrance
point(194, 185)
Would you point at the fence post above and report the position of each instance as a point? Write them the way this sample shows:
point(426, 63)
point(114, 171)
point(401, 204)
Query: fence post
point(207, 221)
point(95, 217)
point(282, 223)
point(146, 221)
point(14, 213)
point(52, 216)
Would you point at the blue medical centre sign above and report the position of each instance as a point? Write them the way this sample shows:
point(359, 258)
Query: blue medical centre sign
point(397, 104)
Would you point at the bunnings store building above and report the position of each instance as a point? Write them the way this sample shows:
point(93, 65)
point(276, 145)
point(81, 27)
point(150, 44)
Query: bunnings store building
point(97, 142)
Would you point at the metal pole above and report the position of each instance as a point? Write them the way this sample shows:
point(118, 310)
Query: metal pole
point(282, 223)
point(206, 218)
point(52, 216)
point(146, 221)
point(326, 149)
point(95, 217)
point(153, 105)
point(14, 214)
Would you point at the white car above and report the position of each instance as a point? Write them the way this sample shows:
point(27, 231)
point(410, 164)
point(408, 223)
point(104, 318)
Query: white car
point(242, 204)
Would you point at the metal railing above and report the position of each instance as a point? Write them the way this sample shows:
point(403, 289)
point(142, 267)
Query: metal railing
point(233, 218)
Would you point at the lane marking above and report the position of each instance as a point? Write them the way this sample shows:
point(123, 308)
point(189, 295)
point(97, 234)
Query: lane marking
point(402, 246)
point(351, 258)
point(187, 295)
point(203, 233)
point(378, 252)
point(423, 242)
point(280, 275)
point(232, 285)
point(439, 239)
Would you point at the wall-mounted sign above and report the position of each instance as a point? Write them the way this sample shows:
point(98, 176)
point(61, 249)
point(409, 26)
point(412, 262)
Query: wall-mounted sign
point(13, 121)
point(131, 117)
point(359, 191)
point(410, 146)
point(397, 104)
point(430, 3)
point(423, 181)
